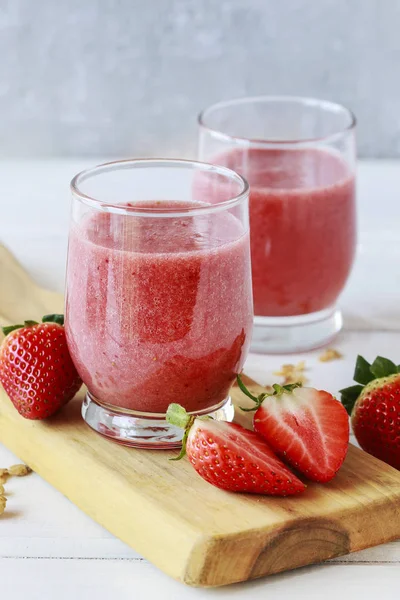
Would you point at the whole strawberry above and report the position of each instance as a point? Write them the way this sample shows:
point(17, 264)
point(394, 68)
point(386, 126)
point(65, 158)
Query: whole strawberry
point(231, 457)
point(36, 369)
point(374, 406)
point(307, 428)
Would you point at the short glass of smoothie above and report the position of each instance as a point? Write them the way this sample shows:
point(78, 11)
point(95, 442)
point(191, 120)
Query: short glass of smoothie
point(298, 155)
point(159, 302)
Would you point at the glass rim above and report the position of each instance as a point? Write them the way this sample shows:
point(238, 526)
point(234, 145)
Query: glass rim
point(132, 163)
point(301, 100)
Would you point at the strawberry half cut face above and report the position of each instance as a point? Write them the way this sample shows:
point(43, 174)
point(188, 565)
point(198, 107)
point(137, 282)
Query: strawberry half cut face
point(307, 428)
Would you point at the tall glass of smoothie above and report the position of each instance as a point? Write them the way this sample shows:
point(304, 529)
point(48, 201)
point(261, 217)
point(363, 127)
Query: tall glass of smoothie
point(298, 155)
point(159, 302)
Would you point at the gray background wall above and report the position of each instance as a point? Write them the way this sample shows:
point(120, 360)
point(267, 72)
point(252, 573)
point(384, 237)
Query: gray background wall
point(127, 77)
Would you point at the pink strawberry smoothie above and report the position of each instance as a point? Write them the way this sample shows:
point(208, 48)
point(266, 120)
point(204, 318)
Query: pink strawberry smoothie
point(302, 227)
point(159, 310)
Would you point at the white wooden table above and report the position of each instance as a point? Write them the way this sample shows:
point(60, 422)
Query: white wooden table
point(49, 549)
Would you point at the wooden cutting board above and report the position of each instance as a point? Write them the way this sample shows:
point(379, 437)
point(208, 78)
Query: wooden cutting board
point(194, 532)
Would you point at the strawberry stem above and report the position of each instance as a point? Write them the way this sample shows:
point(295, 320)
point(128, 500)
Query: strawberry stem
point(177, 416)
point(257, 399)
point(244, 389)
point(182, 453)
point(278, 391)
point(281, 389)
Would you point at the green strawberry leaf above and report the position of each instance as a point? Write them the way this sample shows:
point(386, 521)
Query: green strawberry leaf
point(281, 389)
point(244, 389)
point(349, 396)
point(362, 373)
point(10, 328)
point(30, 323)
point(182, 453)
point(289, 387)
point(382, 367)
point(59, 319)
point(177, 415)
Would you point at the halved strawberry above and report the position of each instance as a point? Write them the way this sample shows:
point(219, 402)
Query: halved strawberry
point(231, 457)
point(307, 428)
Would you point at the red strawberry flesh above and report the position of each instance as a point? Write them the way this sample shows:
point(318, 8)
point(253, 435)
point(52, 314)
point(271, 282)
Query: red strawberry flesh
point(307, 428)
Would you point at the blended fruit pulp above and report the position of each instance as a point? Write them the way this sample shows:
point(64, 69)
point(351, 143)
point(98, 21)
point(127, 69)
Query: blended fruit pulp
point(302, 227)
point(159, 310)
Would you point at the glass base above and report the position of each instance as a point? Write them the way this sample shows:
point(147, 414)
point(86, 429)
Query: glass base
point(282, 335)
point(142, 430)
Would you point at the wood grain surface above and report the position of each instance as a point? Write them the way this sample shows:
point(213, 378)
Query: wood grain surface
point(196, 533)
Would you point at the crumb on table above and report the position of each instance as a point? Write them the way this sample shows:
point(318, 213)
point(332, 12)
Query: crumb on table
point(330, 354)
point(293, 373)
